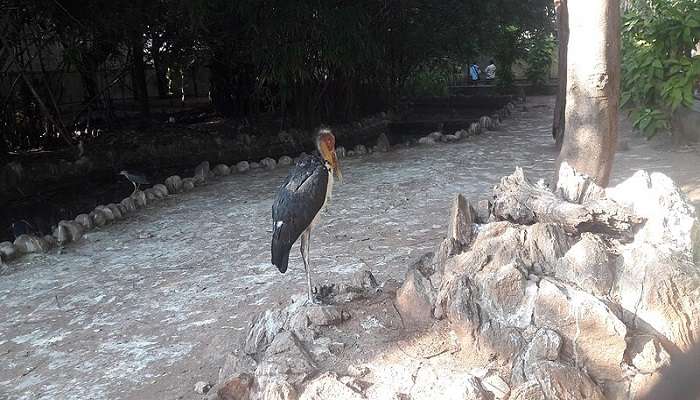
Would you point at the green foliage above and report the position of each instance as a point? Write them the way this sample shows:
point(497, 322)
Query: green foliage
point(539, 48)
point(658, 72)
point(429, 80)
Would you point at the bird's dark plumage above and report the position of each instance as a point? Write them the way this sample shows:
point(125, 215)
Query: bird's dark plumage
point(298, 200)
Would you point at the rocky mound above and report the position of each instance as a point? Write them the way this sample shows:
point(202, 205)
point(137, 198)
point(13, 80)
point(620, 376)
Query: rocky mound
point(573, 293)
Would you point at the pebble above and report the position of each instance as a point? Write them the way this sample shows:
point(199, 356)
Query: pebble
point(285, 161)
point(268, 163)
point(254, 165)
point(222, 170)
point(8, 251)
point(202, 387)
point(31, 244)
point(187, 184)
point(360, 149)
point(426, 140)
point(85, 221)
point(242, 166)
point(116, 211)
point(98, 217)
point(109, 216)
point(129, 204)
point(139, 198)
point(340, 152)
point(174, 184)
point(162, 189)
point(435, 135)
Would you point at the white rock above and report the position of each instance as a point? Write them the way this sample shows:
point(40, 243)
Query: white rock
point(187, 184)
point(285, 161)
point(31, 244)
point(254, 165)
point(222, 170)
point(340, 152)
point(268, 163)
point(174, 184)
point(436, 136)
point(360, 149)
point(85, 221)
point(242, 166)
point(202, 387)
point(8, 251)
point(647, 354)
point(426, 140)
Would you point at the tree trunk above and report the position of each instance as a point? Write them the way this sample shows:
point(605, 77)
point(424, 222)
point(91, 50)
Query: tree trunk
point(592, 88)
point(563, 39)
point(138, 75)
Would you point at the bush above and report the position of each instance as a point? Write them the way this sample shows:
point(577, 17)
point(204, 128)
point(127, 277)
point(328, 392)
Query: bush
point(539, 59)
point(658, 72)
point(429, 81)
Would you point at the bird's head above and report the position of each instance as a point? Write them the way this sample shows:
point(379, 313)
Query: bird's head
point(122, 172)
point(325, 142)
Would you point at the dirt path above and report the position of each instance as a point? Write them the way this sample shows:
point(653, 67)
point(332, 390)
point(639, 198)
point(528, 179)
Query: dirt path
point(146, 307)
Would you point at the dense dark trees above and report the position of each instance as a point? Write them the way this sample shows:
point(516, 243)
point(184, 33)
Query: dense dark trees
point(306, 60)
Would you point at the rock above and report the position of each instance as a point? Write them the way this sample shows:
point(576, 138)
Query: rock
point(351, 153)
point(364, 280)
point(475, 129)
point(485, 123)
point(415, 299)
point(321, 315)
point(279, 390)
point(108, 214)
point(358, 370)
point(116, 211)
point(69, 231)
point(50, 241)
point(461, 134)
point(85, 221)
point(286, 357)
point(575, 187)
point(588, 265)
point(432, 382)
point(234, 365)
point(161, 190)
point(237, 388)
point(201, 172)
point(265, 326)
point(222, 170)
point(511, 107)
point(594, 336)
point(426, 140)
point(449, 138)
point(546, 243)
point(242, 166)
point(174, 184)
point(448, 248)
point(462, 216)
point(31, 244)
point(383, 144)
point(436, 136)
point(8, 251)
point(98, 217)
point(562, 382)
point(202, 387)
point(327, 386)
point(493, 383)
point(139, 199)
point(152, 196)
point(187, 184)
point(647, 354)
point(286, 161)
point(129, 204)
point(670, 218)
point(254, 165)
point(340, 152)
point(360, 149)
point(483, 212)
point(528, 391)
point(546, 344)
point(268, 163)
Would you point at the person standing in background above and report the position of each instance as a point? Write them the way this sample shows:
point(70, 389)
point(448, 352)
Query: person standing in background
point(491, 71)
point(474, 72)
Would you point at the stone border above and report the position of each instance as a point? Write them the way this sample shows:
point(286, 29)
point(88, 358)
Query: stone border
point(68, 231)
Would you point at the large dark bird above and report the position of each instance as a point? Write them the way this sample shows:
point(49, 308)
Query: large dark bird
point(135, 179)
point(299, 200)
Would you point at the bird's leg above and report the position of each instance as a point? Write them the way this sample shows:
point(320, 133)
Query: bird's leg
point(305, 242)
point(136, 188)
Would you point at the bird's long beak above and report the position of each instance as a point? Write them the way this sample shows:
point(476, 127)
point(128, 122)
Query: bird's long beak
point(336, 166)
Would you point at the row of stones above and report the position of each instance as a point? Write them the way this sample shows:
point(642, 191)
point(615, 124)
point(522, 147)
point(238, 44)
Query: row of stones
point(72, 230)
point(485, 123)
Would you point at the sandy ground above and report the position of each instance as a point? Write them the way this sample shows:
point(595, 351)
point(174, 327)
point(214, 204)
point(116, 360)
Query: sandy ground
point(146, 307)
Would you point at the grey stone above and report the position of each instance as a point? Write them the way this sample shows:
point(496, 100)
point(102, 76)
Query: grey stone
point(161, 189)
point(461, 134)
point(108, 214)
point(268, 163)
point(31, 244)
point(351, 153)
point(85, 221)
point(139, 199)
point(328, 386)
point(235, 364)
point(462, 217)
point(577, 187)
point(588, 265)
point(594, 336)
point(279, 390)
point(528, 391)
point(383, 144)
point(98, 217)
point(129, 204)
point(202, 172)
point(340, 152)
point(475, 129)
point(493, 383)
point(647, 354)
point(174, 184)
point(68, 231)
point(449, 138)
point(152, 195)
point(364, 280)
point(415, 299)
point(222, 170)
point(254, 165)
point(50, 241)
point(237, 388)
point(485, 123)
point(285, 161)
point(187, 184)
point(436, 136)
point(563, 382)
point(8, 251)
point(546, 244)
point(286, 356)
point(242, 166)
point(116, 211)
point(322, 315)
point(202, 387)
point(483, 211)
point(426, 140)
point(263, 330)
point(360, 149)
